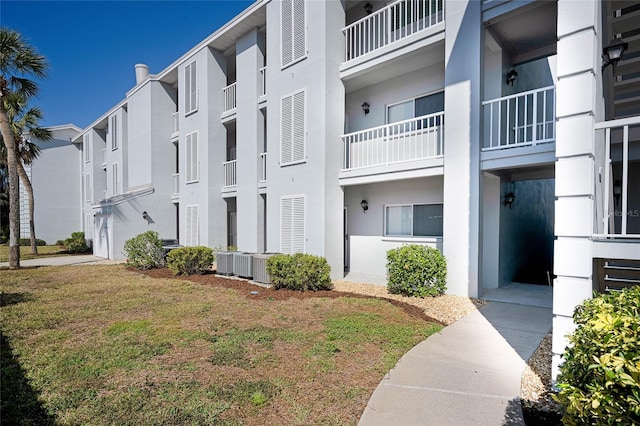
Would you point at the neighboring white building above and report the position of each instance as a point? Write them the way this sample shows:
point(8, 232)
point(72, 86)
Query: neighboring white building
point(346, 128)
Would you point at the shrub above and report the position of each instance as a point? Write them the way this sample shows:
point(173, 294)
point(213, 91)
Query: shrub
point(27, 242)
point(599, 380)
point(60, 242)
point(76, 243)
point(416, 270)
point(299, 272)
point(190, 260)
point(144, 251)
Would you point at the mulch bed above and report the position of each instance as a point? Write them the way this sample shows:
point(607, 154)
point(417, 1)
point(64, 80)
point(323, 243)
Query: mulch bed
point(255, 291)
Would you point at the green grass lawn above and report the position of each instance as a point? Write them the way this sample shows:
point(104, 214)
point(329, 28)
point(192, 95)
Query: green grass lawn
point(105, 345)
point(25, 252)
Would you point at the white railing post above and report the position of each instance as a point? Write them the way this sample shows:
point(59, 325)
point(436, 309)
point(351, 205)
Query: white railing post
point(229, 94)
point(229, 173)
point(263, 80)
point(263, 163)
point(176, 121)
point(176, 183)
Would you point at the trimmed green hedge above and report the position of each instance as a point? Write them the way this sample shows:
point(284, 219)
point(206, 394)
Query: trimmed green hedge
point(190, 260)
point(299, 272)
point(76, 243)
point(416, 270)
point(144, 251)
point(27, 242)
point(599, 380)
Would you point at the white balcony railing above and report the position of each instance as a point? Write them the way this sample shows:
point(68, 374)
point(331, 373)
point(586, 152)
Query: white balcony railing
point(229, 173)
point(176, 183)
point(391, 23)
point(263, 81)
point(230, 99)
point(621, 186)
point(414, 139)
point(523, 119)
point(263, 167)
point(104, 157)
point(176, 121)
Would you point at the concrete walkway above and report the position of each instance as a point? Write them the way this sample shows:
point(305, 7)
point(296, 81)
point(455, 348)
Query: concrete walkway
point(88, 259)
point(468, 374)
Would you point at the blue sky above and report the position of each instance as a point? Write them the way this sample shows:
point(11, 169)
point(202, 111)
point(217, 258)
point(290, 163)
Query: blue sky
point(93, 46)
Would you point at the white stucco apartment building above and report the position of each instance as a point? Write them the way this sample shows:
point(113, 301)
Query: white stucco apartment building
point(488, 129)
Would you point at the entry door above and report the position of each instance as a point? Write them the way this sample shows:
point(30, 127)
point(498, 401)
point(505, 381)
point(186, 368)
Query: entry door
point(346, 238)
point(102, 233)
point(233, 229)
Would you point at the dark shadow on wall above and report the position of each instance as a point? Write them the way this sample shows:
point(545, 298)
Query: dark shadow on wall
point(526, 232)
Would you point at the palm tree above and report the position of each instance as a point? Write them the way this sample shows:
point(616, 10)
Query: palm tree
point(26, 121)
point(18, 63)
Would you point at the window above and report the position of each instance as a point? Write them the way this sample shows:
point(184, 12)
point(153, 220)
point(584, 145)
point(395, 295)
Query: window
point(416, 107)
point(190, 88)
point(292, 131)
point(193, 172)
point(293, 37)
point(192, 237)
point(87, 188)
point(86, 147)
point(292, 224)
point(417, 220)
point(113, 131)
point(114, 179)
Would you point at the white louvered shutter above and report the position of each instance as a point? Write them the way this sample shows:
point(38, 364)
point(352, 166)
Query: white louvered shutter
point(192, 157)
point(293, 37)
point(286, 146)
point(293, 131)
point(292, 224)
point(299, 31)
point(286, 32)
point(192, 224)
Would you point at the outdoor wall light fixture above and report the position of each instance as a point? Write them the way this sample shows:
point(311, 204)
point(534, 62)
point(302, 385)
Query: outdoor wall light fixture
point(508, 199)
point(617, 190)
point(612, 53)
point(365, 108)
point(511, 76)
point(368, 8)
point(364, 205)
point(145, 215)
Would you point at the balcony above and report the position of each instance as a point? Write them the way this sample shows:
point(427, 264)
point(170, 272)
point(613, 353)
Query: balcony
point(263, 167)
point(176, 127)
point(619, 183)
point(263, 81)
point(104, 158)
point(230, 174)
point(390, 24)
point(230, 99)
point(175, 195)
point(403, 145)
point(523, 119)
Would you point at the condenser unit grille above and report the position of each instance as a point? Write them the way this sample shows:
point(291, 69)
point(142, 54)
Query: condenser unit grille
point(243, 265)
point(224, 263)
point(260, 268)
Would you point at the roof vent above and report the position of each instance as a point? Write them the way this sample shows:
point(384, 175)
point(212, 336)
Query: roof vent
point(142, 73)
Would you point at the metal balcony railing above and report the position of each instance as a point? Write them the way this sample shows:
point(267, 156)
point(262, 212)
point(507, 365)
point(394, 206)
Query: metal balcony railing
point(230, 99)
point(526, 118)
point(230, 173)
point(620, 199)
point(414, 139)
point(391, 23)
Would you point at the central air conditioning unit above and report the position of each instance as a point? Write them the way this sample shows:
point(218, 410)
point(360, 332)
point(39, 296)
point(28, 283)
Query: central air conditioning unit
point(224, 262)
point(260, 268)
point(243, 265)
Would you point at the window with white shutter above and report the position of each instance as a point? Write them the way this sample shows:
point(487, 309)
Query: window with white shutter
point(190, 88)
point(293, 37)
point(87, 188)
point(293, 130)
point(86, 147)
point(292, 224)
point(192, 236)
point(192, 166)
point(114, 179)
point(113, 131)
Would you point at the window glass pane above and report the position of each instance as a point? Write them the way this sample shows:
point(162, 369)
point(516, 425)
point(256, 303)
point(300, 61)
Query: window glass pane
point(398, 220)
point(430, 104)
point(400, 112)
point(427, 220)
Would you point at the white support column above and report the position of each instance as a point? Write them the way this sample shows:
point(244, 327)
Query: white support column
point(463, 52)
point(579, 106)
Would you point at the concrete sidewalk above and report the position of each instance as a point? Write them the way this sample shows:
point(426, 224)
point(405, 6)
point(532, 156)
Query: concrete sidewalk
point(88, 259)
point(468, 374)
